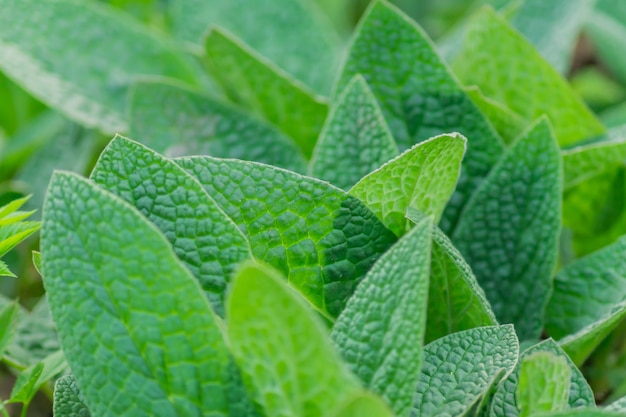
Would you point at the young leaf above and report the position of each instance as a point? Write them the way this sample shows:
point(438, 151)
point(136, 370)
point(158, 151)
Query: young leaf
point(418, 95)
point(68, 401)
point(140, 337)
point(12, 234)
point(504, 403)
point(255, 83)
point(31, 379)
point(293, 34)
point(355, 139)
point(283, 348)
point(321, 238)
point(509, 70)
point(8, 324)
point(585, 162)
point(589, 300)
point(544, 384)
point(509, 231)
point(460, 368)
point(507, 123)
point(202, 236)
point(55, 62)
point(194, 124)
point(363, 404)
point(422, 178)
point(380, 333)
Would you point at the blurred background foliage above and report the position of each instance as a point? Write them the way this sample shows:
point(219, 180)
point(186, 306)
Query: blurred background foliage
point(35, 140)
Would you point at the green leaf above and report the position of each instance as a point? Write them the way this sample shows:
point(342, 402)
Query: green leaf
point(31, 379)
point(380, 333)
point(509, 70)
point(355, 139)
point(140, 336)
point(455, 300)
point(552, 27)
point(618, 405)
point(282, 347)
point(5, 271)
point(258, 85)
point(293, 34)
point(8, 324)
point(11, 235)
point(68, 401)
point(12, 207)
point(418, 95)
point(321, 238)
point(194, 124)
point(544, 384)
point(589, 300)
point(37, 261)
point(508, 123)
point(587, 412)
point(208, 243)
point(509, 231)
point(606, 29)
point(55, 61)
point(459, 369)
point(363, 404)
point(422, 178)
point(504, 402)
point(585, 162)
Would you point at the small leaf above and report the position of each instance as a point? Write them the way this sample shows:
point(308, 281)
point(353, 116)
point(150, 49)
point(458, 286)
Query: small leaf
point(68, 401)
point(585, 162)
point(422, 178)
point(31, 379)
point(380, 333)
point(282, 347)
point(255, 83)
point(355, 139)
point(5, 271)
point(13, 234)
point(544, 384)
point(459, 369)
point(8, 324)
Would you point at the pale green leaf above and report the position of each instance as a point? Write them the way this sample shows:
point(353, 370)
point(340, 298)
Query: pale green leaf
point(422, 178)
point(140, 335)
point(8, 324)
point(606, 28)
point(194, 124)
point(13, 234)
point(508, 123)
point(380, 333)
point(5, 271)
point(68, 401)
point(37, 261)
point(363, 404)
point(321, 238)
point(32, 378)
point(544, 384)
point(282, 347)
point(355, 140)
point(509, 70)
point(256, 84)
point(208, 243)
point(585, 162)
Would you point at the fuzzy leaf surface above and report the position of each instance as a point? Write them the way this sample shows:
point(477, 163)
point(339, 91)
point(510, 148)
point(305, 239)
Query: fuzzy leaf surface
point(68, 400)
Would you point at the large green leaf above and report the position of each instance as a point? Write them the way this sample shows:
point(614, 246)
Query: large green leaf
point(294, 34)
point(585, 162)
point(504, 402)
point(544, 384)
point(380, 333)
point(589, 300)
point(509, 231)
point(321, 238)
point(194, 124)
point(418, 95)
point(355, 139)
point(422, 178)
point(137, 331)
point(255, 83)
point(283, 348)
point(459, 369)
point(202, 236)
point(509, 70)
point(68, 401)
point(80, 58)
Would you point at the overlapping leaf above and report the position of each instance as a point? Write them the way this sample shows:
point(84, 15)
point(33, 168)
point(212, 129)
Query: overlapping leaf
point(585, 162)
point(544, 384)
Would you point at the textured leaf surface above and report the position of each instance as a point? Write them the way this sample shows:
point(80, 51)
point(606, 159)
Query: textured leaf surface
point(140, 337)
point(504, 402)
point(509, 231)
point(418, 95)
point(83, 63)
point(193, 124)
point(291, 33)
point(282, 347)
point(585, 162)
point(380, 333)
point(544, 384)
point(68, 401)
point(202, 236)
point(508, 69)
point(364, 405)
point(322, 239)
point(422, 178)
point(460, 368)
point(255, 83)
point(355, 139)
point(589, 300)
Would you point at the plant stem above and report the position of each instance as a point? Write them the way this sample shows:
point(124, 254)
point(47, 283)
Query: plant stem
point(24, 410)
